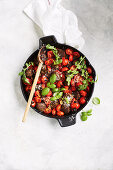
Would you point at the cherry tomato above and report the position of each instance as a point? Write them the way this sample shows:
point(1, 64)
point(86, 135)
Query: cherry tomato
point(76, 54)
point(39, 80)
point(43, 86)
point(64, 61)
point(47, 100)
point(58, 107)
point(69, 51)
point(72, 67)
point(75, 105)
point(35, 68)
point(83, 93)
point(71, 57)
point(78, 84)
point(37, 99)
point(28, 80)
point(37, 93)
point(47, 110)
point(60, 113)
point(54, 111)
point(73, 88)
point(91, 78)
point(50, 93)
point(65, 69)
point(82, 100)
point(49, 62)
point(89, 69)
point(44, 79)
point(87, 89)
point(28, 88)
point(50, 54)
point(33, 103)
point(66, 89)
point(49, 68)
point(59, 84)
point(72, 82)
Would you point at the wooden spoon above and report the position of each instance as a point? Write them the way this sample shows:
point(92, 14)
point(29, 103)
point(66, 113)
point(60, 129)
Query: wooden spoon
point(34, 85)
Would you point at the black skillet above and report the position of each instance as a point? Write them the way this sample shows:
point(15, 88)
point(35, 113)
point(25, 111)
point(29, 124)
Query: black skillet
point(66, 120)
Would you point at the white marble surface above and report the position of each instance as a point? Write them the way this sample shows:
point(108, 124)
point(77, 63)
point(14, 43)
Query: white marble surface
point(40, 143)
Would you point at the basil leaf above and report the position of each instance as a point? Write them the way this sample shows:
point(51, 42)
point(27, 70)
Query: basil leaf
point(96, 100)
point(53, 98)
point(53, 78)
point(55, 90)
point(21, 73)
point(89, 111)
point(52, 86)
point(45, 91)
point(48, 84)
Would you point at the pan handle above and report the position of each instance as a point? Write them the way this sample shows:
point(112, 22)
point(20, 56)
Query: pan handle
point(47, 40)
point(67, 121)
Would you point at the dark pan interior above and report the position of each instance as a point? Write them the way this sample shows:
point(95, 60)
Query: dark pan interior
point(62, 46)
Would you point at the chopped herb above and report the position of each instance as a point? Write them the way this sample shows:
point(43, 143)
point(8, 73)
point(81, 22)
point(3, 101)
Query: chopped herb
point(67, 101)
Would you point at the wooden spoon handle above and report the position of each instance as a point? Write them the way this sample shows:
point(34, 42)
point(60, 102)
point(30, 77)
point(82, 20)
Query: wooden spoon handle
point(32, 91)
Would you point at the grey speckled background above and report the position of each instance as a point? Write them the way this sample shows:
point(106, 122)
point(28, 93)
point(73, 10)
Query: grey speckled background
point(40, 143)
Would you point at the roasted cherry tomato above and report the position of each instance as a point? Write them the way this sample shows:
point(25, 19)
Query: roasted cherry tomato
point(49, 68)
point(50, 54)
point(75, 105)
point(69, 51)
point(72, 82)
point(83, 93)
point(58, 107)
point(76, 54)
point(89, 69)
point(27, 81)
point(43, 86)
point(65, 69)
point(35, 68)
point(78, 84)
point(66, 89)
point(44, 79)
point(72, 67)
point(71, 57)
point(50, 93)
point(91, 78)
point(60, 113)
point(33, 103)
point(73, 88)
point(82, 100)
point(87, 89)
point(37, 99)
point(54, 112)
point(47, 110)
point(37, 93)
point(64, 61)
point(59, 84)
point(28, 88)
point(39, 80)
point(49, 62)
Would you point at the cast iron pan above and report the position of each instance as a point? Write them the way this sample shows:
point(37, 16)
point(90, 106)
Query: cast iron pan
point(66, 120)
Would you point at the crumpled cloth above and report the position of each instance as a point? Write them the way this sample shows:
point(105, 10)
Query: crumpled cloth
point(55, 20)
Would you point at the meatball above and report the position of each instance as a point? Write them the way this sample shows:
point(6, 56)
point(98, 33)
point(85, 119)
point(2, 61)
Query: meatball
point(54, 104)
point(61, 53)
point(41, 106)
point(43, 57)
point(66, 106)
point(76, 95)
point(29, 72)
point(43, 70)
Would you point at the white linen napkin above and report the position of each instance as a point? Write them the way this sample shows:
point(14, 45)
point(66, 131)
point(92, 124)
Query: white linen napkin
point(55, 20)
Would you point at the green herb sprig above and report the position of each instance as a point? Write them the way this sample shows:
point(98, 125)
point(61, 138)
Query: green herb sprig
point(55, 52)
